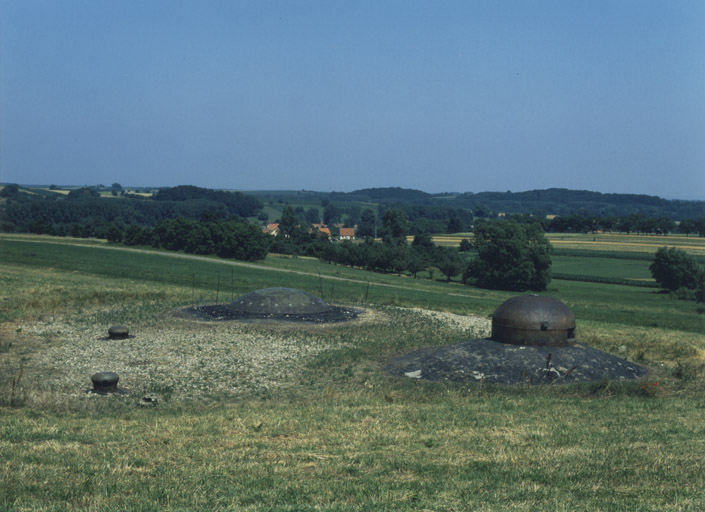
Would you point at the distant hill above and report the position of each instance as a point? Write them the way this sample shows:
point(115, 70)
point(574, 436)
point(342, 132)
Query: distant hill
point(552, 201)
point(391, 195)
point(417, 203)
point(561, 201)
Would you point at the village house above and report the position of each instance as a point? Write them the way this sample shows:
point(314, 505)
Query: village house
point(271, 229)
point(347, 233)
point(322, 228)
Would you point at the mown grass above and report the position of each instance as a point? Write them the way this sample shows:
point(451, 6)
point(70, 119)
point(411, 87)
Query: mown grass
point(428, 449)
point(346, 436)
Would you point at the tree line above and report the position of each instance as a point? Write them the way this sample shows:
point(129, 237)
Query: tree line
point(83, 213)
point(232, 239)
point(632, 223)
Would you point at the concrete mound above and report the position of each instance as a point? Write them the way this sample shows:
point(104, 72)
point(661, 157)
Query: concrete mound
point(533, 341)
point(485, 360)
point(275, 304)
point(279, 301)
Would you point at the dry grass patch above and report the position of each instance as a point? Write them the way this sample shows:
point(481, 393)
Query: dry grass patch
point(643, 343)
point(474, 325)
point(176, 358)
point(185, 360)
point(440, 451)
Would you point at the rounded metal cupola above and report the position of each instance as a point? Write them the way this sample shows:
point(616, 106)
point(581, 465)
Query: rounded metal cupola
point(533, 320)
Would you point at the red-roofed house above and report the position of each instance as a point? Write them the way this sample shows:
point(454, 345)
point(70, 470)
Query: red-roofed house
point(325, 230)
point(321, 228)
point(347, 233)
point(271, 229)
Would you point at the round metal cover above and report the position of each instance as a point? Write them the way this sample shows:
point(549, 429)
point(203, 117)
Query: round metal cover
point(118, 332)
point(279, 301)
point(105, 382)
point(533, 320)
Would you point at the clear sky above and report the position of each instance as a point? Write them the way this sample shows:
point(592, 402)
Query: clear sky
point(604, 95)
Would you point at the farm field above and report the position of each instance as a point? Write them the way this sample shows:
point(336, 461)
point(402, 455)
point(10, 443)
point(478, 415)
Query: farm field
point(628, 243)
point(614, 268)
point(275, 417)
point(605, 242)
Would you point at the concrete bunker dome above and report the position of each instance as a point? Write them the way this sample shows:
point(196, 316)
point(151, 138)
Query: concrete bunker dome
point(533, 320)
point(533, 340)
point(279, 301)
point(273, 304)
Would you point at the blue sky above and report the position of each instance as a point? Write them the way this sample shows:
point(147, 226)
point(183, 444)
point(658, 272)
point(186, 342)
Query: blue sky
point(341, 95)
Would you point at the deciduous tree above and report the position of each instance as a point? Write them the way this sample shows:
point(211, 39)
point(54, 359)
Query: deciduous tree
point(366, 228)
point(510, 256)
point(288, 222)
point(395, 227)
point(449, 262)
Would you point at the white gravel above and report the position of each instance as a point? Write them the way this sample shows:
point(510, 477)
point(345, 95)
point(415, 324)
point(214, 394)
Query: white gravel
point(184, 359)
point(180, 358)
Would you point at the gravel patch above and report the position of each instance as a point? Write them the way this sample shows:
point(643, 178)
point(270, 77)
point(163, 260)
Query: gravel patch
point(178, 358)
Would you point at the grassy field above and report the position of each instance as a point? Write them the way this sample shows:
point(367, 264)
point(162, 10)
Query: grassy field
point(269, 417)
point(617, 268)
point(605, 242)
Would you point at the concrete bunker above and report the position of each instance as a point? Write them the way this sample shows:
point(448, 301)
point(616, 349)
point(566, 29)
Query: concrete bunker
point(277, 304)
point(279, 301)
point(533, 342)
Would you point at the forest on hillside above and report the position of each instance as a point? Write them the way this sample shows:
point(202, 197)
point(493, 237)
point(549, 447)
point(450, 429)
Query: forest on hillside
point(90, 211)
point(553, 201)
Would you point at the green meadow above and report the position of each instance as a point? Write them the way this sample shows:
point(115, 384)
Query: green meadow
point(309, 421)
point(608, 268)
